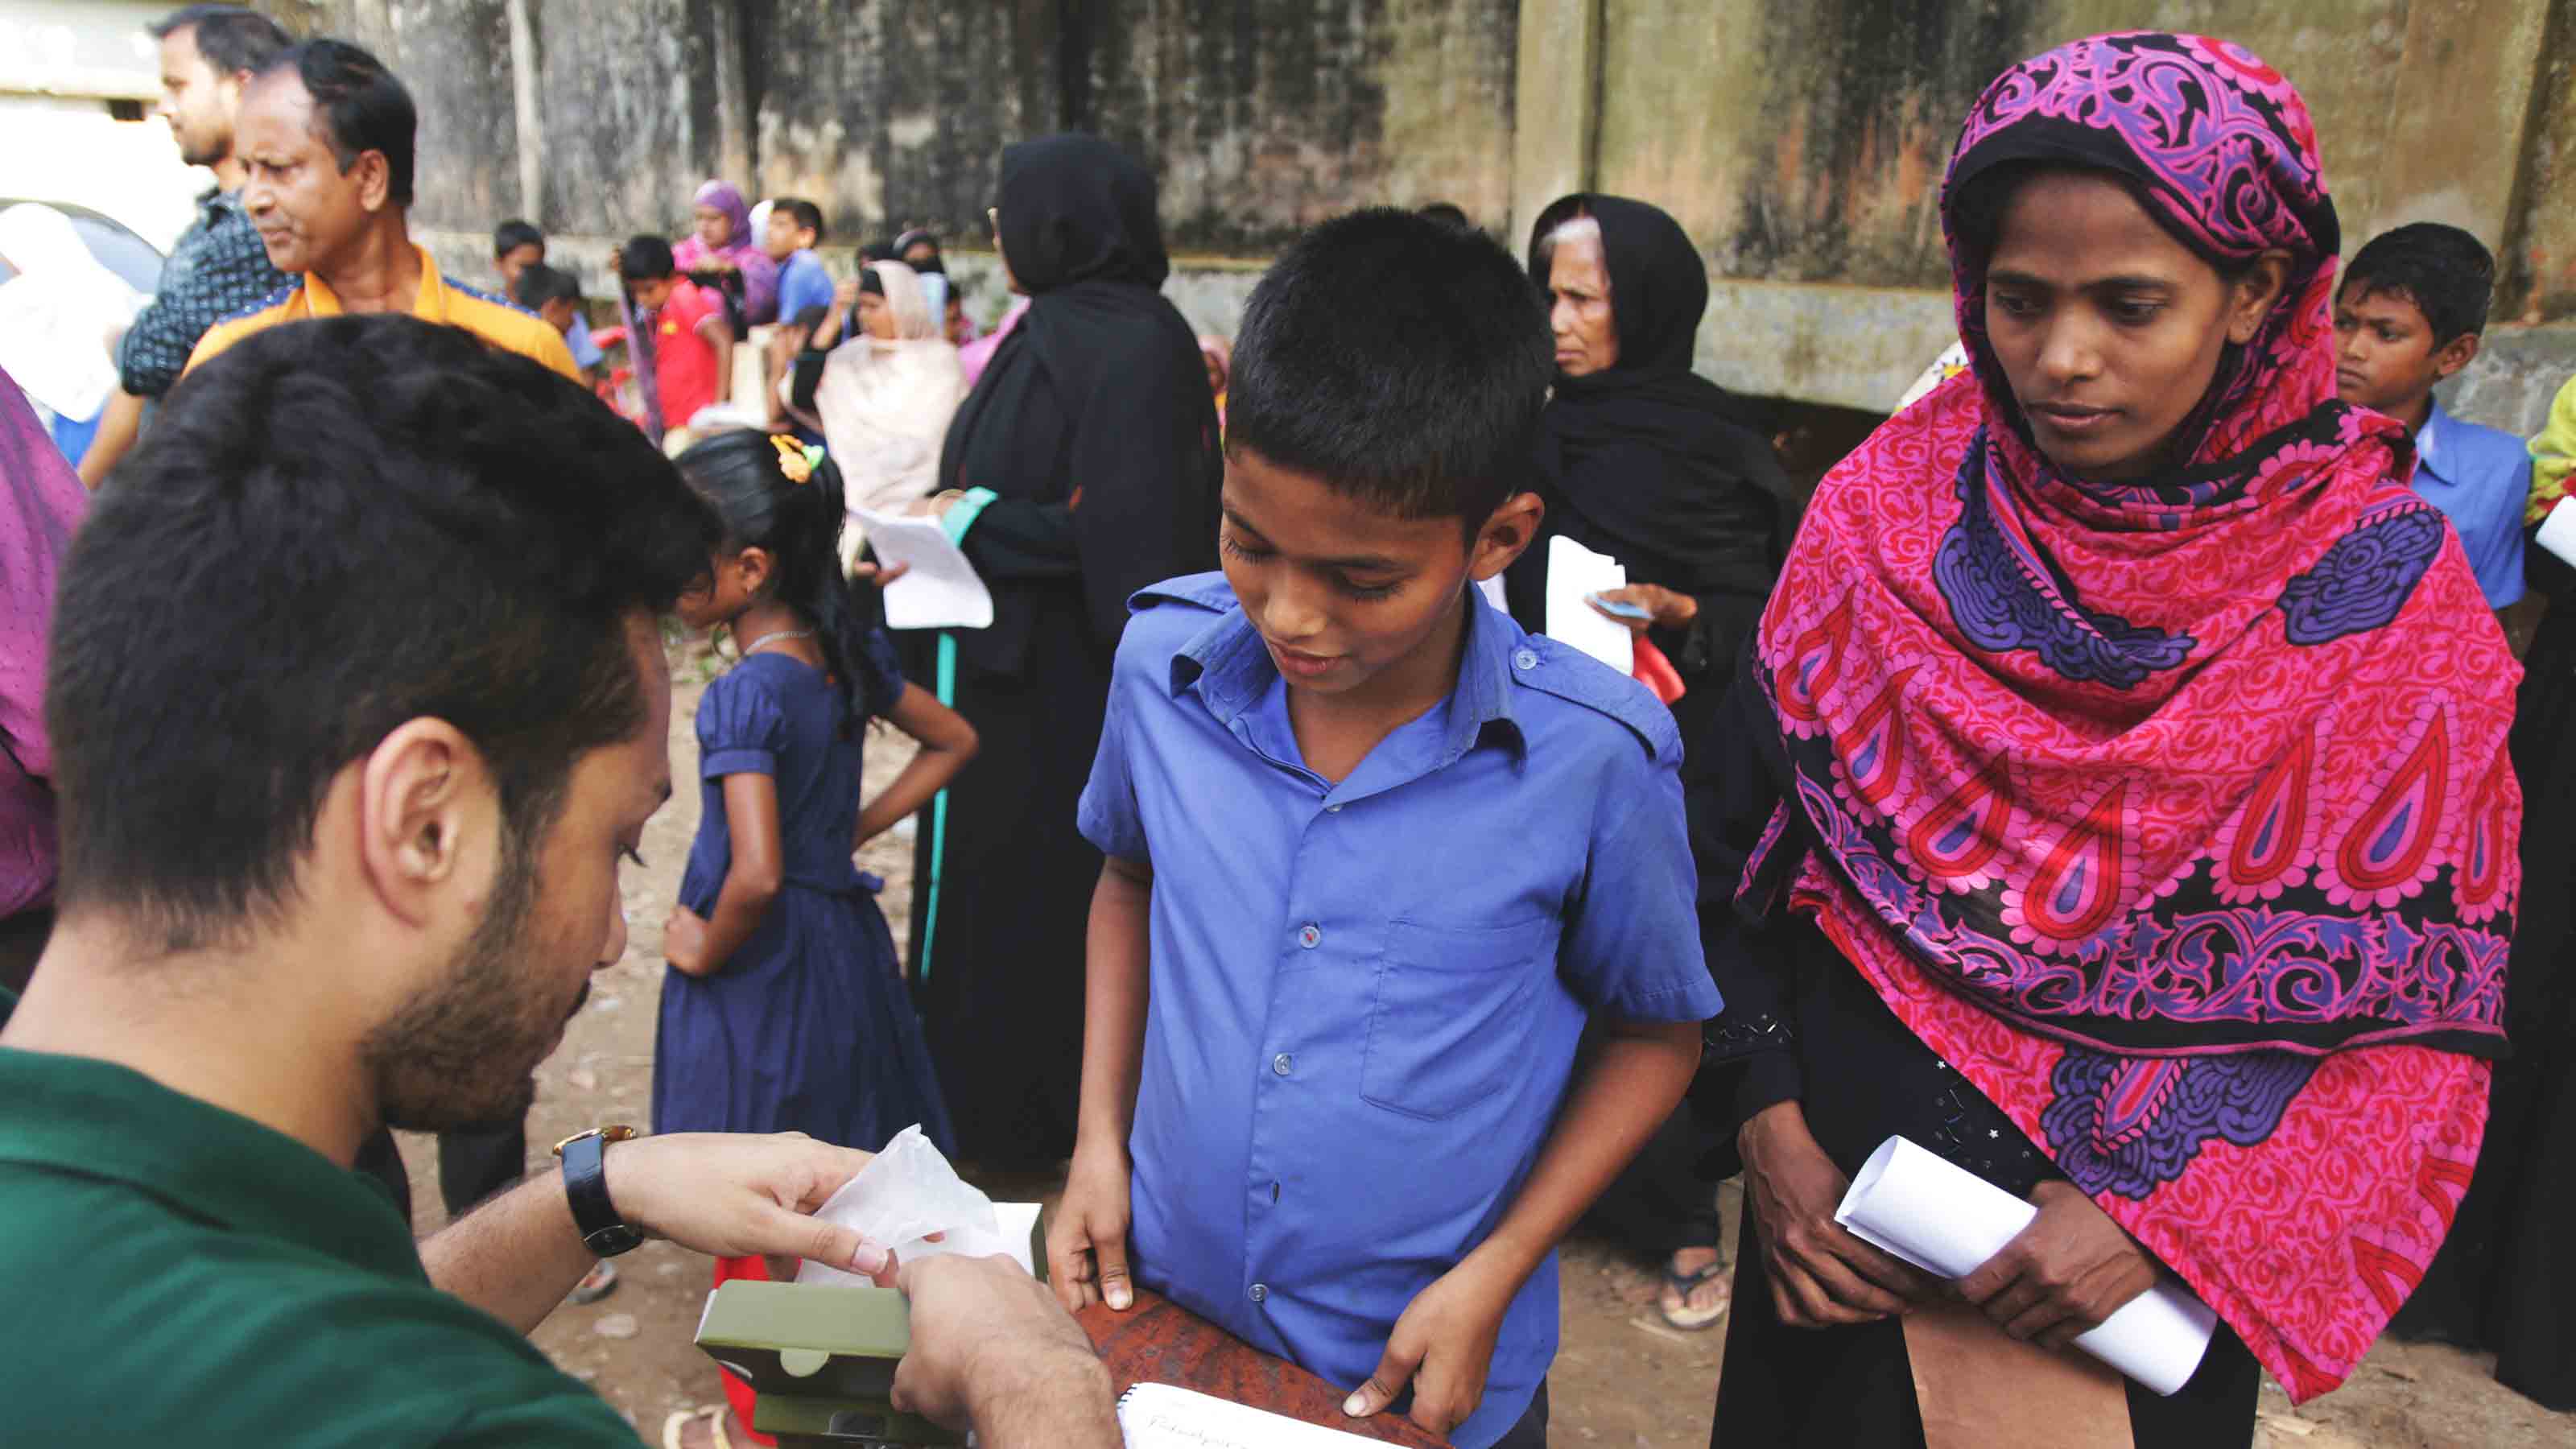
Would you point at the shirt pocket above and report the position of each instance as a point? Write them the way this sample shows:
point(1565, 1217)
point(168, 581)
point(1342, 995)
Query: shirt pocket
point(1452, 1013)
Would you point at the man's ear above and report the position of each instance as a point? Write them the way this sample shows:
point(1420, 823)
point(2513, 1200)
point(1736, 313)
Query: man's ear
point(375, 179)
point(2455, 354)
point(1507, 531)
point(425, 806)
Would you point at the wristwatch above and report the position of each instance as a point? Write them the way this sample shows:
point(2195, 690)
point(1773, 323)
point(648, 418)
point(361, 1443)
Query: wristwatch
point(586, 1187)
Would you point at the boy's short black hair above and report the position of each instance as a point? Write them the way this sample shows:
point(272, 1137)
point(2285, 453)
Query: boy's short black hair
point(2448, 274)
point(348, 523)
point(360, 105)
point(1401, 361)
point(1447, 213)
point(229, 38)
point(513, 234)
point(541, 284)
point(807, 214)
point(645, 258)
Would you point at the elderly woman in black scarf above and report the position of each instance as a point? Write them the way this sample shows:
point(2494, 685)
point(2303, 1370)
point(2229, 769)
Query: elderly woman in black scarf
point(1083, 467)
point(1645, 461)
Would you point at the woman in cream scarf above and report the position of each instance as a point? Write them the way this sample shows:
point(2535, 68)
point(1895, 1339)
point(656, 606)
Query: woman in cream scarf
point(886, 394)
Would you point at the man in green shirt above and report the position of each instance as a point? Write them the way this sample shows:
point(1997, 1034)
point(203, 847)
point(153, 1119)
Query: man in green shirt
point(342, 797)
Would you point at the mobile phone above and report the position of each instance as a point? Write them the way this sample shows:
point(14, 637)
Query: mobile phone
point(1618, 608)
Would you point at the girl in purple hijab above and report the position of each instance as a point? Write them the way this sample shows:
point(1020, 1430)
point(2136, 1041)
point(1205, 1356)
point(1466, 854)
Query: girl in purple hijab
point(41, 503)
point(722, 253)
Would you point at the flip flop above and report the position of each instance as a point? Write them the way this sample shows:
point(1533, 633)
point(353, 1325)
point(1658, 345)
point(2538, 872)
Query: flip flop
point(1687, 1318)
point(676, 1425)
point(596, 1284)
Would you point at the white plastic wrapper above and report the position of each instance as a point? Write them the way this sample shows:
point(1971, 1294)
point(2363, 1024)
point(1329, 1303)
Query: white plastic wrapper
point(910, 1192)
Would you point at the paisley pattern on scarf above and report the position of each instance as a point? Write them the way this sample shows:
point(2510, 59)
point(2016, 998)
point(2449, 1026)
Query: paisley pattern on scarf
point(2173, 812)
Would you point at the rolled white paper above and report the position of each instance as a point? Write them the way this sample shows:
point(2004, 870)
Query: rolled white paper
point(1948, 1221)
point(2558, 533)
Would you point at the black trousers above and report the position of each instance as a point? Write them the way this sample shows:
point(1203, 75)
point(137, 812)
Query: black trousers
point(473, 1164)
point(1531, 1431)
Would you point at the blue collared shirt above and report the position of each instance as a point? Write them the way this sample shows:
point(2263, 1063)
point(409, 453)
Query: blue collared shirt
point(803, 282)
point(1365, 996)
point(2479, 478)
point(218, 269)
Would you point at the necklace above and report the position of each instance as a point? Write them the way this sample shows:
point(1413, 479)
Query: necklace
point(755, 644)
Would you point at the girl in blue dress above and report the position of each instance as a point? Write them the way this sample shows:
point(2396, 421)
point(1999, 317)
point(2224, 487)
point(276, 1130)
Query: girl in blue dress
point(785, 1007)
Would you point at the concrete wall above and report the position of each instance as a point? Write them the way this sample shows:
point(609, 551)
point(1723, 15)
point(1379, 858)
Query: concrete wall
point(1801, 144)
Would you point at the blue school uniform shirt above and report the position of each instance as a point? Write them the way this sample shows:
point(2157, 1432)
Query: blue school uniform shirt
point(585, 352)
point(802, 282)
point(1365, 997)
point(2478, 477)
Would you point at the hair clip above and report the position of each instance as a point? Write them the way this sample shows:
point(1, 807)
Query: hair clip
point(795, 459)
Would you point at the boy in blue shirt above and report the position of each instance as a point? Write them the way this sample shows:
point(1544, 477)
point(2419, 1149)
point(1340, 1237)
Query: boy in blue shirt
point(795, 229)
point(2408, 315)
point(1375, 859)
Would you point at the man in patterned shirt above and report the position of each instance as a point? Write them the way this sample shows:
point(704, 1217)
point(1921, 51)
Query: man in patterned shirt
point(208, 54)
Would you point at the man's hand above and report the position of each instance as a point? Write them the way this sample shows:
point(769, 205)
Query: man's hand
point(734, 1195)
point(1821, 1276)
point(2070, 1269)
point(1667, 609)
point(1087, 1240)
point(1443, 1345)
point(684, 942)
point(878, 574)
point(993, 1351)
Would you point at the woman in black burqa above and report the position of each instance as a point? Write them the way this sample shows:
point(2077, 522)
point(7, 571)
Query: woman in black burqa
point(1648, 462)
point(1090, 444)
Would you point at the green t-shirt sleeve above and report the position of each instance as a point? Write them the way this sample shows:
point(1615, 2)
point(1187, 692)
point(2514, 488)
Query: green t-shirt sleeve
point(575, 1417)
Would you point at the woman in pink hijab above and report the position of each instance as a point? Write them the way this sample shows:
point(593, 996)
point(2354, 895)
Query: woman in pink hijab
point(41, 503)
point(721, 252)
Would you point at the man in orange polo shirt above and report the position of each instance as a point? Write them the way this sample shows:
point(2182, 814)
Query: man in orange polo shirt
point(325, 134)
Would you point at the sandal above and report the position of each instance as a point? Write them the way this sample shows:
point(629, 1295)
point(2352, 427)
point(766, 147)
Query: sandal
point(677, 1425)
point(1687, 1318)
point(596, 1284)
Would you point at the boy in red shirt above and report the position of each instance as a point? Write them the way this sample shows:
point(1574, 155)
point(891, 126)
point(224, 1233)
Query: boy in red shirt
point(690, 338)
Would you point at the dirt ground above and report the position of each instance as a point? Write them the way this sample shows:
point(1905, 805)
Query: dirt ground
point(1621, 1377)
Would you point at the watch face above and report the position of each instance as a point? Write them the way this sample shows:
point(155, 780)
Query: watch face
point(614, 1239)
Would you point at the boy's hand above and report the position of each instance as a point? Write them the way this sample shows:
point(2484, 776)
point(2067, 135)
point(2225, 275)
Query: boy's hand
point(1087, 1241)
point(1443, 1346)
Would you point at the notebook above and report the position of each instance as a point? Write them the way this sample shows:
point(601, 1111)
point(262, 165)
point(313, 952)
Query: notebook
point(1159, 1416)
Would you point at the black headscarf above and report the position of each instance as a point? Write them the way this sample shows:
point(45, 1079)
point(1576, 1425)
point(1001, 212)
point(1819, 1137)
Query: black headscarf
point(1647, 461)
point(1097, 404)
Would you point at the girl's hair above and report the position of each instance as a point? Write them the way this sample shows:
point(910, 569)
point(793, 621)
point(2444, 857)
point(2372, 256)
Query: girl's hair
point(744, 474)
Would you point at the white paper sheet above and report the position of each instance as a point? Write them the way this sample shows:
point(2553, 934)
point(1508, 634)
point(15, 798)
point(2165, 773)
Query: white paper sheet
point(1945, 1219)
point(910, 1192)
point(2558, 533)
point(1574, 571)
point(1159, 1416)
point(941, 591)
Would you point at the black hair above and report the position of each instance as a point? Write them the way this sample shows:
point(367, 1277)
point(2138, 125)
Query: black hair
point(929, 267)
point(646, 258)
point(878, 251)
point(348, 523)
point(1977, 215)
point(358, 104)
point(513, 234)
point(540, 284)
point(742, 475)
point(806, 213)
point(1446, 213)
point(1402, 362)
point(2448, 274)
point(230, 38)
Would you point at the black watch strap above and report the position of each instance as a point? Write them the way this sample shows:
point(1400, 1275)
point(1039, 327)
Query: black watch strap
point(586, 1188)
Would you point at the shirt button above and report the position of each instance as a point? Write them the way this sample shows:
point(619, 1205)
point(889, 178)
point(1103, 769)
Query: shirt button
point(1332, 809)
point(1282, 1063)
point(1310, 936)
point(1526, 659)
point(1260, 1291)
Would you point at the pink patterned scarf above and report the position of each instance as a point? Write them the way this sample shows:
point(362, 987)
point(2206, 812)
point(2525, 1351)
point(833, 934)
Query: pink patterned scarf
point(2175, 814)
